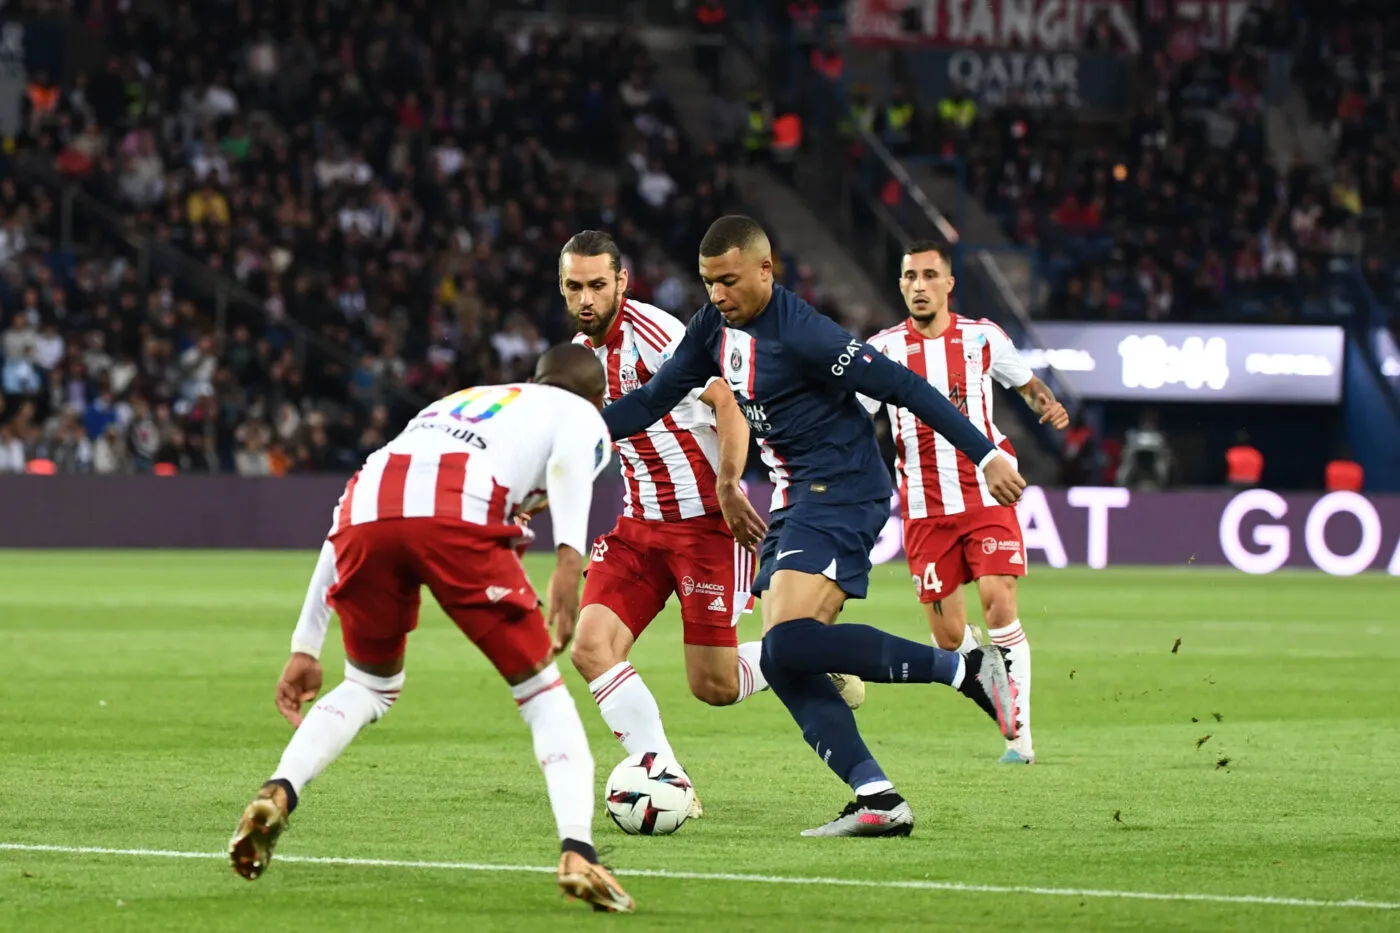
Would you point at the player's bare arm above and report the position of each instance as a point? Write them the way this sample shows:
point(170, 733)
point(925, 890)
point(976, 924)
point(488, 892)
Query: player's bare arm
point(1042, 401)
point(742, 518)
point(563, 596)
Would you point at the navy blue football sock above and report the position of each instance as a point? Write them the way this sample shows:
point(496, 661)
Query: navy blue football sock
point(873, 655)
point(827, 722)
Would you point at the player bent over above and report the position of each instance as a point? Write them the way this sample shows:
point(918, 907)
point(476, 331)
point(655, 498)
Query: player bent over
point(955, 532)
point(681, 481)
point(429, 509)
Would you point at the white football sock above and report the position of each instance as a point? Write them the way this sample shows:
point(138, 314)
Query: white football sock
point(561, 748)
point(630, 711)
point(1018, 654)
point(969, 641)
point(333, 722)
point(751, 679)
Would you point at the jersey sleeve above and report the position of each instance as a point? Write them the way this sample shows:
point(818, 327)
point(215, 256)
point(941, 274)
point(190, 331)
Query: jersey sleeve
point(310, 632)
point(838, 358)
point(653, 356)
point(872, 405)
point(686, 368)
point(1008, 368)
point(578, 453)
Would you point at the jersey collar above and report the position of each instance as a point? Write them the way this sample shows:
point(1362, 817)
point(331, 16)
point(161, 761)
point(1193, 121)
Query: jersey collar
point(953, 324)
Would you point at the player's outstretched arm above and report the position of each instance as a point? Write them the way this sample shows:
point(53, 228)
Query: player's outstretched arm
point(579, 452)
point(743, 519)
point(907, 390)
point(301, 678)
point(688, 368)
point(838, 357)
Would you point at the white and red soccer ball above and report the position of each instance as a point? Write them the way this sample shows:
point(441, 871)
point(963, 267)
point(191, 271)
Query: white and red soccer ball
point(649, 795)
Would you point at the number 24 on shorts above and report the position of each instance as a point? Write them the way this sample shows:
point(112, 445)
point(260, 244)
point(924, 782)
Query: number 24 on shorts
point(930, 579)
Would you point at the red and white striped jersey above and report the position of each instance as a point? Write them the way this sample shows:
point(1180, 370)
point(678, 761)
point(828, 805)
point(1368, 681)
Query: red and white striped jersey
point(669, 469)
point(481, 456)
point(934, 477)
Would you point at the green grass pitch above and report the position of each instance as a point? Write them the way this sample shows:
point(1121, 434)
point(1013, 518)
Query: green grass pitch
point(1257, 761)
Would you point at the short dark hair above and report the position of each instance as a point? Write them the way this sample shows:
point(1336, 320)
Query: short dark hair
point(593, 243)
point(732, 231)
point(572, 367)
point(930, 246)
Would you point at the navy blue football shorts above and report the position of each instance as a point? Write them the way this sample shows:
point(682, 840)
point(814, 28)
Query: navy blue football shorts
point(818, 537)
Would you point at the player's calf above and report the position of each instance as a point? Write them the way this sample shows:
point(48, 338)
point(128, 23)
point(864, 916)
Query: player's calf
point(561, 747)
point(998, 593)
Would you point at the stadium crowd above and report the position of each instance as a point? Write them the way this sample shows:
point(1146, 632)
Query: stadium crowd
point(385, 196)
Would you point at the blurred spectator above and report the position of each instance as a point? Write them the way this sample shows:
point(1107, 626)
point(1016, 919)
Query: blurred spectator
point(1344, 474)
point(1146, 461)
point(380, 199)
point(1244, 464)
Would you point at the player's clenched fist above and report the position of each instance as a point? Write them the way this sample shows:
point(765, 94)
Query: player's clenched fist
point(743, 519)
point(1003, 482)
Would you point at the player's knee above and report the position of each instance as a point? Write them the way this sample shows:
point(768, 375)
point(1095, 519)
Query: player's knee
point(380, 692)
point(592, 657)
point(779, 646)
point(714, 688)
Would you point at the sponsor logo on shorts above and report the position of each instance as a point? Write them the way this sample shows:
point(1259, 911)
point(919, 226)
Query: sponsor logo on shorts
point(1016, 559)
point(689, 586)
point(600, 548)
point(717, 605)
point(498, 593)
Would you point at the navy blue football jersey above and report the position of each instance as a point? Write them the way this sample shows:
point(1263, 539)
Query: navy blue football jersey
point(796, 373)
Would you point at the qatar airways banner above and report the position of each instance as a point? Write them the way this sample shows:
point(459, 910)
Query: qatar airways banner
point(1278, 364)
point(1082, 80)
point(1036, 24)
point(1256, 531)
point(1008, 24)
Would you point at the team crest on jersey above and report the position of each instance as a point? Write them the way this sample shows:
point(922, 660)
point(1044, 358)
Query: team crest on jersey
point(736, 360)
point(627, 377)
point(972, 350)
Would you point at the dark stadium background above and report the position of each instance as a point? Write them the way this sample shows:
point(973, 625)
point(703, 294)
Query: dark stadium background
point(251, 238)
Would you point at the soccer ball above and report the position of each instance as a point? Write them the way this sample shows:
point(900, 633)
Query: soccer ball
point(649, 795)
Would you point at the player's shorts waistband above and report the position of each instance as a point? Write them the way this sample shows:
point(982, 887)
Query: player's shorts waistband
point(697, 522)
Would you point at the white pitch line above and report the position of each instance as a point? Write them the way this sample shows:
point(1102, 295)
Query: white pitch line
point(950, 886)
